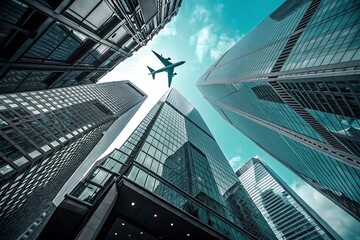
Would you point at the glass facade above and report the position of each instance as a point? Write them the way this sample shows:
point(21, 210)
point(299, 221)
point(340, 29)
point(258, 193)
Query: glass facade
point(173, 155)
point(52, 44)
point(295, 77)
point(44, 137)
point(287, 215)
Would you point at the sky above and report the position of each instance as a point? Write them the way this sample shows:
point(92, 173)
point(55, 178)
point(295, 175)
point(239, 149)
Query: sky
point(201, 32)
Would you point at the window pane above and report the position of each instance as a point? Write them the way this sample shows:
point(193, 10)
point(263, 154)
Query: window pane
point(100, 177)
point(99, 15)
point(21, 161)
point(112, 165)
point(134, 171)
point(5, 169)
point(83, 7)
point(141, 178)
point(86, 192)
point(121, 157)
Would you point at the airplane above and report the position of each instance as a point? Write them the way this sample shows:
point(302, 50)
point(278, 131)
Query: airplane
point(169, 67)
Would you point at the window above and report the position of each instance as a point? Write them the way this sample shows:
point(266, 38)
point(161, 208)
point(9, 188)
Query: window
point(112, 165)
point(3, 122)
point(133, 173)
point(81, 8)
point(86, 192)
point(119, 156)
point(6, 169)
point(99, 15)
point(116, 36)
point(93, 13)
point(34, 154)
point(45, 148)
point(21, 161)
point(100, 177)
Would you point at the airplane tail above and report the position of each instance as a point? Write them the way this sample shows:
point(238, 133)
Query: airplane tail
point(151, 72)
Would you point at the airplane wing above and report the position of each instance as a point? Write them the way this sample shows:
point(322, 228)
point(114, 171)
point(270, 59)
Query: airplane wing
point(163, 60)
point(170, 75)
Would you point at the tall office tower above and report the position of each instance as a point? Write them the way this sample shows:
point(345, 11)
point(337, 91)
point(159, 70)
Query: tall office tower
point(292, 85)
point(57, 43)
point(243, 208)
point(286, 213)
point(169, 180)
point(44, 136)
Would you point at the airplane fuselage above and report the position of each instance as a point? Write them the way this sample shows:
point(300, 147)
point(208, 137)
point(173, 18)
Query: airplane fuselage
point(164, 69)
point(169, 67)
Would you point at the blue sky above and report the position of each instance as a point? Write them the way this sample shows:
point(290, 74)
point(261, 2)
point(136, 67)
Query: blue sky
point(200, 33)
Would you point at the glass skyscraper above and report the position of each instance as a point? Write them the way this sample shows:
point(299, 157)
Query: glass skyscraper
point(292, 85)
point(169, 180)
point(45, 136)
point(286, 213)
point(59, 43)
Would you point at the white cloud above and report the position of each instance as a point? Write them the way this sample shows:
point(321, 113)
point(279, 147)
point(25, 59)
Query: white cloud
point(194, 68)
point(200, 14)
point(346, 226)
point(235, 162)
point(207, 42)
point(169, 29)
point(239, 150)
point(218, 8)
point(223, 44)
point(204, 40)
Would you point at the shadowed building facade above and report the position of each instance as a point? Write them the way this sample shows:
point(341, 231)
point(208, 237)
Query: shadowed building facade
point(45, 136)
point(286, 213)
point(169, 180)
point(242, 206)
point(292, 86)
point(58, 43)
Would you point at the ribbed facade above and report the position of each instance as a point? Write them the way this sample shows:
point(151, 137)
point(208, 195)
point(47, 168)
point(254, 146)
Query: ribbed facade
point(173, 161)
point(292, 86)
point(44, 137)
point(59, 43)
point(286, 213)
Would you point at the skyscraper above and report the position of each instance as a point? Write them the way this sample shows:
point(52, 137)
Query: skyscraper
point(286, 213)
point(169, 180)
point(292, 86)
point(44, 137)
point(58, 43)
point(243, 207)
